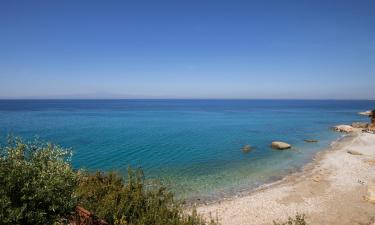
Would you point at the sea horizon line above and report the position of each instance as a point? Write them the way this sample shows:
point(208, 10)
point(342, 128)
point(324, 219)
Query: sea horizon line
point(182, 99)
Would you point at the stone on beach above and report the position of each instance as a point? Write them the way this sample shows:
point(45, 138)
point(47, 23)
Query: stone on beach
point(353, 152)
point(359, 125)
point(280, 145)
point(246, 148)
point(343, 128)
point(316, 178)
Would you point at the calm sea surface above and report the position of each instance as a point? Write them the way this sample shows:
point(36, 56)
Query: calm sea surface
point(192, 145)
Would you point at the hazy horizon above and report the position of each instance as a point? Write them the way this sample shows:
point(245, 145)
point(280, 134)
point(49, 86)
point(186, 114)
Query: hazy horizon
point(78, 97)
point(187, 50)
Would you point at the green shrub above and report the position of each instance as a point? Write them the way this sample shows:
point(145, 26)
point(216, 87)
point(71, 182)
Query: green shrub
point(37, 183)
point(132, 203)
point(298, 220)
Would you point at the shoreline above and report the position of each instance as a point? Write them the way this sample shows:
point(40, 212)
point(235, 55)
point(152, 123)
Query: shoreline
point(301, 170)
point(315, 186)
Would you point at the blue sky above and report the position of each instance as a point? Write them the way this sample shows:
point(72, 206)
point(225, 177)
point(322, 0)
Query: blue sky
point(187, 49)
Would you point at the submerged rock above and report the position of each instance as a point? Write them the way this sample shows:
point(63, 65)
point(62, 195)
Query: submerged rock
point(280, 145)
point(246, 149)
point(343, 128)
point(359, 125)
point(311, 140)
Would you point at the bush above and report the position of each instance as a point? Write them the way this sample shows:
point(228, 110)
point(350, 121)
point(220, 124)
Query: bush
point(38, 186)
point(118, 202)
point(298, 220)
point(37, 183)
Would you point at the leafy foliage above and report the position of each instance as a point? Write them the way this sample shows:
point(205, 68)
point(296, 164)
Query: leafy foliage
point(118, 202)
point(37, 183)
point(298, 220)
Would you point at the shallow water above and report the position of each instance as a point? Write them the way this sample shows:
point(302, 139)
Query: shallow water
point(192, 145)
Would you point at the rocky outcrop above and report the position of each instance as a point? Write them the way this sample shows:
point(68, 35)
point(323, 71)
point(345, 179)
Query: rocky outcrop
point(371, 126)
point(343, 128)
point(360, 125)
point(280, 145)
point(246, 149)
point(365, 113)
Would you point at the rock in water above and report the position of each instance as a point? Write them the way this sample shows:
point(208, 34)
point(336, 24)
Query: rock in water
point(343, 128)
point(311, 140)
point(246, 148)
point(280, 145)
point(370, 197)
point(359, 125)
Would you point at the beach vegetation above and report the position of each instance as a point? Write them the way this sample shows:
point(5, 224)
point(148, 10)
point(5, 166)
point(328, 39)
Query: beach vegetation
point(39, 186)
point(299, 219)
point(37, 183)
point(131, 201)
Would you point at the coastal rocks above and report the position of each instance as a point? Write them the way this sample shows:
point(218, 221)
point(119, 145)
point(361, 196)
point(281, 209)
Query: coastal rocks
point(311, 140)
point(280, 145)
point(246, 149)
point(371, 127)
point(365, 113)
point(359, 125)
point(353, 152)
point(343, 128)
point(370, 196)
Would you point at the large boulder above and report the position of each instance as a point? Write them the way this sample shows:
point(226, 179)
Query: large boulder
point(343, 128)
point(280, 145)
point(359, 125)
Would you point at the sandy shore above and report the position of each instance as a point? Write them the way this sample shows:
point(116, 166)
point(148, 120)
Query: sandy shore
point(328, 191)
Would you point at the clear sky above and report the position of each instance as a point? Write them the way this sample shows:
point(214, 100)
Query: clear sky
point(187, 49)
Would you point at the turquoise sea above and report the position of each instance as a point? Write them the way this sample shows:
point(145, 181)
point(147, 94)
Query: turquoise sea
point(194, 146)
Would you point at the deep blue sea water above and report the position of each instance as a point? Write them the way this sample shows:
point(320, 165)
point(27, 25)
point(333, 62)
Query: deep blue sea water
point(192, 145)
